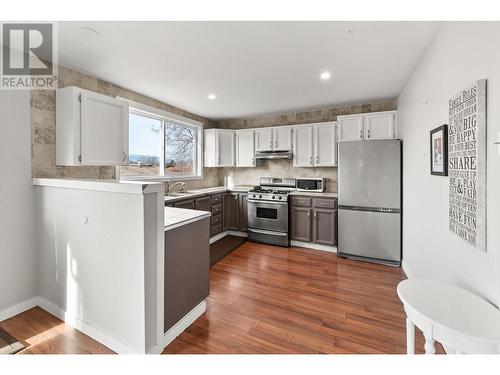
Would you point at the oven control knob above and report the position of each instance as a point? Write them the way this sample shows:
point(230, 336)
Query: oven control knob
point(273, 197)
point(260, 196)
point(280, 197)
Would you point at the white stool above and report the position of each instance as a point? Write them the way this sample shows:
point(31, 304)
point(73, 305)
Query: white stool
point(456, 318)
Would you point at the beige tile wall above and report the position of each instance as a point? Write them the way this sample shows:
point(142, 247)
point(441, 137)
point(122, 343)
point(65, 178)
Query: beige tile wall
point(283, 168)
point(43, 122)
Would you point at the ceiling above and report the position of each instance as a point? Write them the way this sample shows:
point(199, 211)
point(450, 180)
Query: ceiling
point(252, 68)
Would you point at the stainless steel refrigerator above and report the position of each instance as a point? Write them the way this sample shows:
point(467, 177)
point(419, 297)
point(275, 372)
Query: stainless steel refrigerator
point(369, 189)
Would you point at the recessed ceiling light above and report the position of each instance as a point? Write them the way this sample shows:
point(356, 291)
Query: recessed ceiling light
point(325, 75)
point(211, 96)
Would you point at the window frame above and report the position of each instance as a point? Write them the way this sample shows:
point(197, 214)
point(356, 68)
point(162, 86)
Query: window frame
point(165, 117)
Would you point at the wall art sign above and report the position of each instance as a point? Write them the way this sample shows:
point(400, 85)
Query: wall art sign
point(439, 151)
point(467, 164)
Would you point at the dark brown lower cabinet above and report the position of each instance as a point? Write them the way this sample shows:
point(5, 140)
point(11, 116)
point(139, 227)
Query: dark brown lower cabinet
point(324, 224)
point(311, 222)
point(202, 204)
point(301, 224)
point(231, 201)
point(243, 212)
point(187, 263)
point(189, 204)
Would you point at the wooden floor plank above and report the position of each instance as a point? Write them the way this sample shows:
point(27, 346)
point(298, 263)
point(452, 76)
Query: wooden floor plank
point(267, 299)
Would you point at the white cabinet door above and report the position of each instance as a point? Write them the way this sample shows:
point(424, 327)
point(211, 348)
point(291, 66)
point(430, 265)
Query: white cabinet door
point(104, 130)
point(225, 147)
point(282, 138)
point(245, 148)
point(325, 145)
point(303, 146)
point(380, 125)
point(264, 139)
point(350, 128)
point(211, 158)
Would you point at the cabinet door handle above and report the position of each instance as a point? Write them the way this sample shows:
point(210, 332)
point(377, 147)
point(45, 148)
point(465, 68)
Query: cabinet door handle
point(361, 134)
point(315, 215)
point(308, 214)
point(317, 159)
point(311, 160)
point(276, 144)
point(124, 156)
point(368, 135)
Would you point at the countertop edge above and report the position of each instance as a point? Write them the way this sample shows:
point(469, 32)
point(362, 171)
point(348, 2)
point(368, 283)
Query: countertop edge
point(126, 187)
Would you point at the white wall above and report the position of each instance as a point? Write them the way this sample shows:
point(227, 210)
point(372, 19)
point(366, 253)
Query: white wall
point(460, 54)
point(92, 253)
point(17, 261)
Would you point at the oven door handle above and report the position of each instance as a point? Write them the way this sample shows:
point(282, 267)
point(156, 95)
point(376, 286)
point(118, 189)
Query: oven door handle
point(272, 202)
point(262, 231)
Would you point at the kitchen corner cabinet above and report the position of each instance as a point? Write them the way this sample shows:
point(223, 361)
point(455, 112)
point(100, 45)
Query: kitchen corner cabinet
point(314, 220)
point(245, 148)
point(91, 129)
point(315, 145)
point(219, 148)
point(368, 126)
point(235, 212)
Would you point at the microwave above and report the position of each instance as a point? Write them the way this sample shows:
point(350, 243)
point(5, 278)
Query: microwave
point(311, 184)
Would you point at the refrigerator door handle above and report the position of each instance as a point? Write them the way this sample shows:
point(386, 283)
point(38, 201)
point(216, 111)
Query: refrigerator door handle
point(371, 209)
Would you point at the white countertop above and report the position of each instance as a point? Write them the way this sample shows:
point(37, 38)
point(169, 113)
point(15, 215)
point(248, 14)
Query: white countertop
point(324, 194)
point(127, 187)
point(211, 190)
point(176, 217)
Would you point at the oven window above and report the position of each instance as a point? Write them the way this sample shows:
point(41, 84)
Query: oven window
point(267, 213)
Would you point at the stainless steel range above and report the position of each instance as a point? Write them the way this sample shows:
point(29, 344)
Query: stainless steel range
point(268, 211)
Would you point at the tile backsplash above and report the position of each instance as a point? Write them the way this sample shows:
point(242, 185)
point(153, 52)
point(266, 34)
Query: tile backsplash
point(278, 168)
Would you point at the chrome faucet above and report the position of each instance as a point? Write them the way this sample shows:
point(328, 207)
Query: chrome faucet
point(171, 187)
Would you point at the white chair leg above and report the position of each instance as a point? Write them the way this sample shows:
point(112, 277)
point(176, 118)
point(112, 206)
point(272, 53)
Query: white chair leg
point(410, 337)
point(429, 343)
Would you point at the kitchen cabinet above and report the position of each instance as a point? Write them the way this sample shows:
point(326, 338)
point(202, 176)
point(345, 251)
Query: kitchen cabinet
point(325, 144)
point(243, 212)
point(300, 224)
point(264, 139)
point(282, 138)
point(367, 126)
point(91, 129)
point(315, 145)
point(245, 148)
point(231, 202)
point(219, 148)
point(314, 220)
point(186, 266)
point(202, 204)
point(379, 125)
point(303, 146)
point(188, 204)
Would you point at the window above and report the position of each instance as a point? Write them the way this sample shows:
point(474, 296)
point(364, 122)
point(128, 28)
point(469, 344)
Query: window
point(162, 145)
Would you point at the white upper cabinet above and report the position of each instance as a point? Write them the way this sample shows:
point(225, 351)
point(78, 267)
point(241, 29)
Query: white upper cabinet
point(315, 145)
point(282, 138)
point(375, 125)
point(219, 148)
point(91, 129)
point(264, 139)
point(380, 125)
point(350, 127)
point(303, 146)
point(325, 144)
point(245, 148)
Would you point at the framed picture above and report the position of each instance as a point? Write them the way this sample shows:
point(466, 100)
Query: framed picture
point(439, 151)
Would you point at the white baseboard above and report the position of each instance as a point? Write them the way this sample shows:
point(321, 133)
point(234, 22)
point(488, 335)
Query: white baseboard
point(9, 312)
point(406, 270)
point(95, 333)
point(314, 246)
point(182, 324)
point(217, 237)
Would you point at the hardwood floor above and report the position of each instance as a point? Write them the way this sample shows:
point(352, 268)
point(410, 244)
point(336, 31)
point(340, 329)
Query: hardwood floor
point(43, 333)
point(267, 299)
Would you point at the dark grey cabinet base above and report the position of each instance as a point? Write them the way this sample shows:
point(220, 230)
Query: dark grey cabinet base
point(314, 220)
point(187, 263)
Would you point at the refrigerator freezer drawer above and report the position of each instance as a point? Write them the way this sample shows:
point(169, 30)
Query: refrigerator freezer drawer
point(374, 236)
